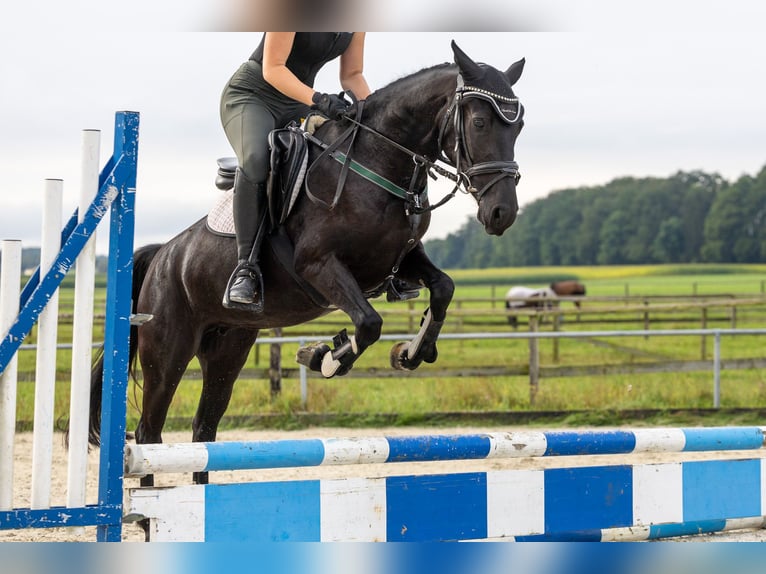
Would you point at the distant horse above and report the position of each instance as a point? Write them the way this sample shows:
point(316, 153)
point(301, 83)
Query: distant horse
point(520, 297)
point(568, 288)
point(345, 243)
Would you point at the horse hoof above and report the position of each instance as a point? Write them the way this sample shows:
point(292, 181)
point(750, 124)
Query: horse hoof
point(311, 356)
point(431, 357)
point(399, 356)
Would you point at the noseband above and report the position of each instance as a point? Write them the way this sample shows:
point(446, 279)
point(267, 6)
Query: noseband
point(503, 169)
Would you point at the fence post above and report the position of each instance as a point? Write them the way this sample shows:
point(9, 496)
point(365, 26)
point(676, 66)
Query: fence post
point(275, 365)
point(534, 362)
point(717, 370)
point(703, 345)
point(646, 318)
point(303, 373)
point(556, 328)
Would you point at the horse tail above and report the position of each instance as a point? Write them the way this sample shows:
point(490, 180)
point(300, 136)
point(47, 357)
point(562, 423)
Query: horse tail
point(141, 259)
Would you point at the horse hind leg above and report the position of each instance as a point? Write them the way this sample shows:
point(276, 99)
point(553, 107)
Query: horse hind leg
point(222, 355)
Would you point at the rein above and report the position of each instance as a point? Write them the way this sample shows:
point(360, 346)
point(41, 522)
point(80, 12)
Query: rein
point(461, 177)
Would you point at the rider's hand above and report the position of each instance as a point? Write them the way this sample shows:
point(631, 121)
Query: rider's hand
point(330, 105)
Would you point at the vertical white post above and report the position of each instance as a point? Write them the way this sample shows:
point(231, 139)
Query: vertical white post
point(82, 330)
point(45, 378)
point(10, 291)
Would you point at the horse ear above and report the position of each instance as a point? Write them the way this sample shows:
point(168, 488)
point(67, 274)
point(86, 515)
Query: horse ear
point(471, 70)
point(514, 71)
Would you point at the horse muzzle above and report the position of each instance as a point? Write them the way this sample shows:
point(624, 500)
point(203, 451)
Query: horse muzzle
point(497, 201)
point(496, 219)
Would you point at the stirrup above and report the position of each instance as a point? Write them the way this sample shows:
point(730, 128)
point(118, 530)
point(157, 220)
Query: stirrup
point(254, 271)
point(400, 290)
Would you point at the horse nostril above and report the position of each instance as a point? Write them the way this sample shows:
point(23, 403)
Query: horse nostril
point(500, 216)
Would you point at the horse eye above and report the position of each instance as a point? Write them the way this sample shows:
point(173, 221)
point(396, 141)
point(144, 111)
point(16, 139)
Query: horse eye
point(478, 122)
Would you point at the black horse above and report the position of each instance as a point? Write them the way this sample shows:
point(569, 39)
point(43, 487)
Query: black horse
point(466, 114)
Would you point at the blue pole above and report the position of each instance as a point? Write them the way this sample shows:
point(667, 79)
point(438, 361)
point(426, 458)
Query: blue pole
point(117, 326)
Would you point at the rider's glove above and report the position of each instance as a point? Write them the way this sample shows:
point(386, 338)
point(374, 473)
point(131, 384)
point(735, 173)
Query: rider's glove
point(330, 105)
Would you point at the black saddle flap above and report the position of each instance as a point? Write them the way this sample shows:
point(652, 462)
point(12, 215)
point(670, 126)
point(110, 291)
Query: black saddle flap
point(289, 154)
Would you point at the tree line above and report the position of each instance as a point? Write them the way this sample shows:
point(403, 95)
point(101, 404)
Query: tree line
point(693, 217)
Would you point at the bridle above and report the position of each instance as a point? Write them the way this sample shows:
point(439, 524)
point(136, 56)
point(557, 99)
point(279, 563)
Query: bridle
point(461, 177)
point(462, 154)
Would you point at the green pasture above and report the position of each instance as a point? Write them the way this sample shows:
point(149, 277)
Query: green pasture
point(478, 307)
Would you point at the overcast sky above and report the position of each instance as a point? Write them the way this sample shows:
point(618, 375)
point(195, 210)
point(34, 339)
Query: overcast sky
point(609, 91)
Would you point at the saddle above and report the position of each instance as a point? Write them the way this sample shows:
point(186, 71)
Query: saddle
point(287, 170)
point(289, 159)
point(288, 167)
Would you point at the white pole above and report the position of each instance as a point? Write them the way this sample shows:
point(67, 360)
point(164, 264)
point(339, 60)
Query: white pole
point(45, 378)
point(82, 330)
point(10, 291)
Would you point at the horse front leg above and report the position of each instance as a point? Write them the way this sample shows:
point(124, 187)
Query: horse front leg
point(417, 267)
point(336, 283)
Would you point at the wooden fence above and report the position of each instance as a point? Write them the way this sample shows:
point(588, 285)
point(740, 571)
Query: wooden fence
point(490, 315)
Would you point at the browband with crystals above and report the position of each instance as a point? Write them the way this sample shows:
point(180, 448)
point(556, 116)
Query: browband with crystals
point(488, 93)
point(464, 91)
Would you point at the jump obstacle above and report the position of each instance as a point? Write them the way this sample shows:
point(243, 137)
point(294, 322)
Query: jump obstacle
point(605, 502)
point(110, 191)
point(595, 503)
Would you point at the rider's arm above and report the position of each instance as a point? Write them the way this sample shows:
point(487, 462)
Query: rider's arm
point(352, 68)
point(276, 50)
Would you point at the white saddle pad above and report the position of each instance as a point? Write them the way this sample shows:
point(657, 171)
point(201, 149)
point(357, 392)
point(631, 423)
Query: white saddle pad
point(220, 219)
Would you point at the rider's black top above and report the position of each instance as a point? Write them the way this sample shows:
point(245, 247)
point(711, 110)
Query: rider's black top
point(247, 93)
point(310, 51)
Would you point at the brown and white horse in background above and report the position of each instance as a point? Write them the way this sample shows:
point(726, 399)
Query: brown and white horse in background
point(520, 297)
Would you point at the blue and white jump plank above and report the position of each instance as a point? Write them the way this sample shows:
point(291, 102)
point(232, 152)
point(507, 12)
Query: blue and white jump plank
point(197, 457)
point(624, 502)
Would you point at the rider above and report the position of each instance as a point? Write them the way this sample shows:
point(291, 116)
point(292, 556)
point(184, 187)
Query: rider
point(273, 88)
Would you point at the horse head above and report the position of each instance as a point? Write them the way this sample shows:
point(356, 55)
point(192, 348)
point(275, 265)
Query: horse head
point(487, 120)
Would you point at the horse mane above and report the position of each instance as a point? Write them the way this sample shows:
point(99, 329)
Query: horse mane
point(422, 75)
point(411, 84)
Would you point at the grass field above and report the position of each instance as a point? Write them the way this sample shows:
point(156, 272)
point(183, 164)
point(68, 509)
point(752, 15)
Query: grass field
point(364, 399)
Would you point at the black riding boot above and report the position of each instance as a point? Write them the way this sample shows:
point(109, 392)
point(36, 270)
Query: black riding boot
point(245, 288)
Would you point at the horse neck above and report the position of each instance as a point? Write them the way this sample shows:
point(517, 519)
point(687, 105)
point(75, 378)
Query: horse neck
point(410, 111)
